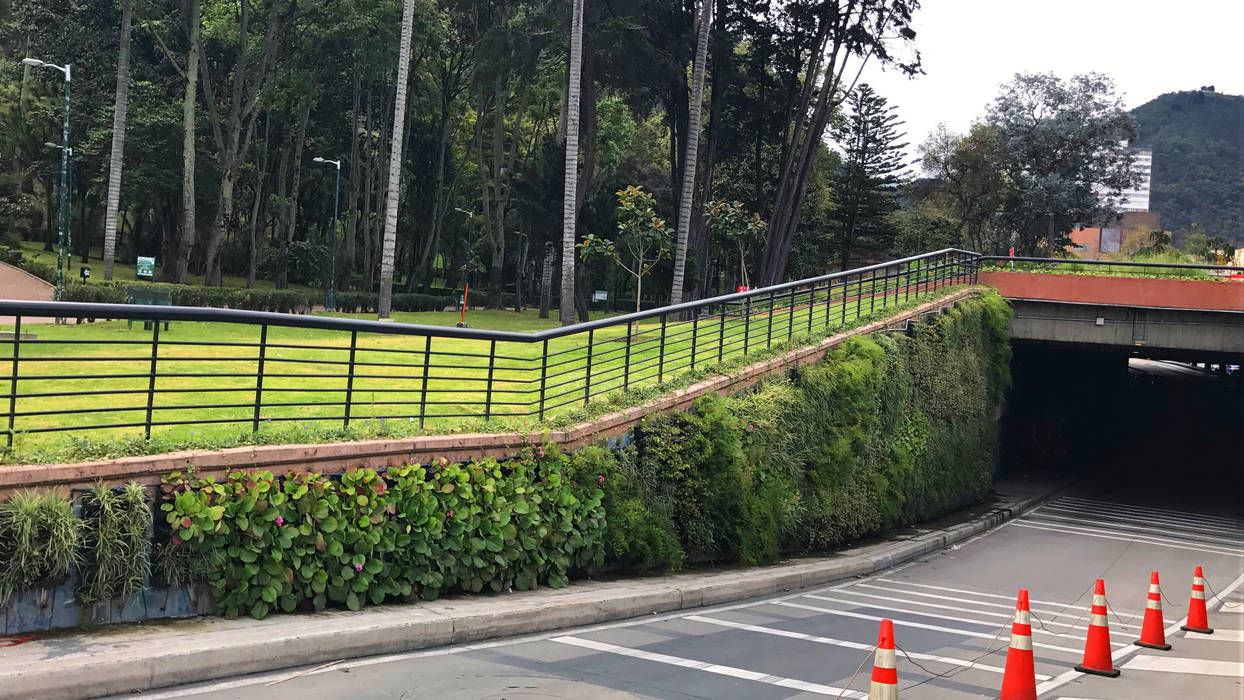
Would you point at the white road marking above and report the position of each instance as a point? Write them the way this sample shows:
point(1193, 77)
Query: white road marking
point(841, 643)
point(1069, 530)
point(1146, 519)
point(1063, 606)
point(991, 613)
point(1118, 656)
point(1192, 537)
point(718, 669)
point(1237, 609)
point(1175, 664)
point(1001, 635)
point(1220, 635)
point(1161, 512)
point(1011, 607)
point(952, 618)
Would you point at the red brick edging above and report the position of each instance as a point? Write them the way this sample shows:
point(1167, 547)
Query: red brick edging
point(334, 457)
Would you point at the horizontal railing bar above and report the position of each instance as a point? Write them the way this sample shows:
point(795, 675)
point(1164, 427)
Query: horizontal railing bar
point(1121, 263)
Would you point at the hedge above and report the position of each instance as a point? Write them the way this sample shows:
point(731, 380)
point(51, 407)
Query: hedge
point(279, 300)
point(367, 302)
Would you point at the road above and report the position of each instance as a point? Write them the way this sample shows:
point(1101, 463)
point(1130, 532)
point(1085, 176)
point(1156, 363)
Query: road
point(1167, 501)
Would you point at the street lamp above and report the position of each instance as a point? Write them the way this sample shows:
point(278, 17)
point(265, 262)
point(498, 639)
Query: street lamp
point(65, 152)
point(330, 294)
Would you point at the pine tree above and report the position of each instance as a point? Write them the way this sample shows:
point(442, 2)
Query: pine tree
point(867, 184)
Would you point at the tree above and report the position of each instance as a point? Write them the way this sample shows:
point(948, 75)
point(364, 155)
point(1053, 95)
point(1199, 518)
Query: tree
point(733, 229)
point(570, 207)
point(848, 33)
point(869, 177)
point(1064, 146)
point(385, 303)
point(185, 242)
point(643, 238)
point(118, 138)
point(971, 185)
point(685, 201)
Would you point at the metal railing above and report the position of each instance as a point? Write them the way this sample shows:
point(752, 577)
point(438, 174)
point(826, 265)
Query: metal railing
point(1111, 267)
point(221, 367)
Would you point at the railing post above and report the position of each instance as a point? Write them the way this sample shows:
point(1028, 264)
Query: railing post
point(811, 305)
point(155, 348)
point(544, 371)
point(661, 351)
point(263, 351)
point(354, 337)
point(587, 375)
point(872, 291)
point(769, 334)
point(829, 300)
point(626, 366)
point(747, 324)
point(17, 346)
point(695, 330)
point(790, 325)
point(845, 281)
point(859, 295)
point(721, 335)
point(492, 358)
point(423, 393)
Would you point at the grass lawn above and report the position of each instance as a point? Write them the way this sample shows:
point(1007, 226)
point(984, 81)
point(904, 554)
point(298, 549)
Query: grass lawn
point(95, 377)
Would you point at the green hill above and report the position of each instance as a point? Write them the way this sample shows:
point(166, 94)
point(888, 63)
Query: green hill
point(1197, 139)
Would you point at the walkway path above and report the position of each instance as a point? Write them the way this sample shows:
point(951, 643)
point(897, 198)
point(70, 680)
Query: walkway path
point(16, 283)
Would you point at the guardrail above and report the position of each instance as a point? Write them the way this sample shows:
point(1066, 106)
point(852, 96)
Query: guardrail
point(250, 368)
point(1106, 267)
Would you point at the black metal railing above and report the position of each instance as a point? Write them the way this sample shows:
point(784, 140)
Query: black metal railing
point(1111, 267)
point(247, 369)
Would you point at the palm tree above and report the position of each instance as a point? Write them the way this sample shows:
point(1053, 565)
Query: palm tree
point(693, 148)
point(395, 164)
point(569, 193)
point(118, 138)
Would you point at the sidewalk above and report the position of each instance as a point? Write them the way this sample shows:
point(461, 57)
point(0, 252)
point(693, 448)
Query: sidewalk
point(128, 658)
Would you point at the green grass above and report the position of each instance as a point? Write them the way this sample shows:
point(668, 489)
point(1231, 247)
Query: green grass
point(81, 368)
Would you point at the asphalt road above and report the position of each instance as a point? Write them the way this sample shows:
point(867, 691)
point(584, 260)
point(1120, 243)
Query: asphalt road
point(951, 612)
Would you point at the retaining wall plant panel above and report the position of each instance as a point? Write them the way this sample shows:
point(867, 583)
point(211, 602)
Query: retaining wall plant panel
point(1224, 295)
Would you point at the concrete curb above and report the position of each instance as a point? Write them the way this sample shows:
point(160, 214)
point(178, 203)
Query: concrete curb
point(139, 658)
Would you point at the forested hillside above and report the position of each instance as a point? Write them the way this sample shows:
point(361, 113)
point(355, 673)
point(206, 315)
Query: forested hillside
point(1197, 139)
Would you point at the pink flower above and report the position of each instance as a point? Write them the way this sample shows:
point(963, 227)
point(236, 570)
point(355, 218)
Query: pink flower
point(450, 514)
point(358, 567)
point(280, 520)
point(600, 479)
point(751, 427)
point(541, 448)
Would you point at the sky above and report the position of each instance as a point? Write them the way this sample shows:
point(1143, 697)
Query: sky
point(970, 47)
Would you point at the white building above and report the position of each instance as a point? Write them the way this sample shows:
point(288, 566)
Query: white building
point(1137, 199)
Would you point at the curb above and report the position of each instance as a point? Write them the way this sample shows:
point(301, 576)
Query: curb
point(213, 648)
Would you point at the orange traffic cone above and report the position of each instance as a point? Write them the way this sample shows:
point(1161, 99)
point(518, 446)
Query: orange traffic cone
point(1097, 645)
point(1153, 632)
point(1198, 620)
point(885, 666)
point(1019, 681)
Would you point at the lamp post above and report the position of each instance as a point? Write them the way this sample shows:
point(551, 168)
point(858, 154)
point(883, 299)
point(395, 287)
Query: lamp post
point(65, 152)
point(330, 294)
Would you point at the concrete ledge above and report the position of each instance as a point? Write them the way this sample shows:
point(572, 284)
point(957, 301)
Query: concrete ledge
point(380, 453)
point(133, 658)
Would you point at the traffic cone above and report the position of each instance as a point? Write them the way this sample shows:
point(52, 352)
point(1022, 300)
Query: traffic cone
point(1019, 681)
point(1153, 632)
point(884, 685)
point(1097, 644)
point(1198, 620)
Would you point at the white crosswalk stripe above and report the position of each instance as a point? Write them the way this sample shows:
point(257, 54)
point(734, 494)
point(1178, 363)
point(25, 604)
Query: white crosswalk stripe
point(1141, 540)
point(1181, 516)
point(1065, 610)
point(1175, 526)
point(1175, 664)
point(1191, 538)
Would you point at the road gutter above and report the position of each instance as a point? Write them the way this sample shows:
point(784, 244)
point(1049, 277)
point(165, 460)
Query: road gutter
point(129, 658)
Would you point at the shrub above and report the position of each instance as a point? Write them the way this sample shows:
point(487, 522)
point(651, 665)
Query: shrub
point(116, 543)
point(39, 540)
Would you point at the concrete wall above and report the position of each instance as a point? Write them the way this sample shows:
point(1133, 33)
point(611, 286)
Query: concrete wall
point(1143, 330)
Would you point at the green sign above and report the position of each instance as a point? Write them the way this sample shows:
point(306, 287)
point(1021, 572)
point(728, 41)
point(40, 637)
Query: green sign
point(145, 268)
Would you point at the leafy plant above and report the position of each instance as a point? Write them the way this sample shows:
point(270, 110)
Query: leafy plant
point(39, 540)
point(116, 543)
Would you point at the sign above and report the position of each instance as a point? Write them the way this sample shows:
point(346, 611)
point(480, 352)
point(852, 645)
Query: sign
point(600, 295)
point(85, 272)
point(743, 288)
point(145, 269)
point(1012, 254)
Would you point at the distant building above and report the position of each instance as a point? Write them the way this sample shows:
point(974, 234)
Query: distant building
point(1137, 199)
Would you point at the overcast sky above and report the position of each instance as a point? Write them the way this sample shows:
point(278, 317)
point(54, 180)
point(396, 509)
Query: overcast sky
point(969, 47)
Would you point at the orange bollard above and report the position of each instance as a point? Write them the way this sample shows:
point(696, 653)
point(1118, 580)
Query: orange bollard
point(1153, 632)
point(884, 685)
point(1198, 619)
point(1097, 645)
point(1019, 680)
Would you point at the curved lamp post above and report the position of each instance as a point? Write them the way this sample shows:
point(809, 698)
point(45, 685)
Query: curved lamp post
point(330, 292)
point(65, 152)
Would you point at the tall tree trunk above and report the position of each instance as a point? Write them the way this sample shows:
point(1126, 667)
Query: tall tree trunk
point(546, 277)
point(291, 204)
point(257, 206)
point(118, 138)
point(368, 193)
point(346, 271)
point(185, 243)
point(687, 198)
point(569, 201)
point(395, 164)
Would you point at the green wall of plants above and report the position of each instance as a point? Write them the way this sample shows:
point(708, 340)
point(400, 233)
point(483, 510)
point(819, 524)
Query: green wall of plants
point(887, 430)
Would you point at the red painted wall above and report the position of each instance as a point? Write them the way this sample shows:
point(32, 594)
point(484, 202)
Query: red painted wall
point(1122, 291)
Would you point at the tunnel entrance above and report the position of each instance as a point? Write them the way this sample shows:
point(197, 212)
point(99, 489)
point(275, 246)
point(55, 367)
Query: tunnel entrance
point(1149, 428)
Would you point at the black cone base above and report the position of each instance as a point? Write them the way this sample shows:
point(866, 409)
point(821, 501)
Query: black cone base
point(1202, 630)
point(1112, 673)
point(1147, 645)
